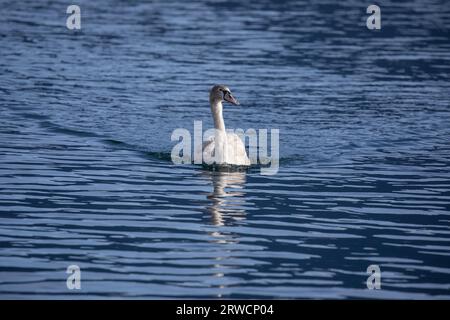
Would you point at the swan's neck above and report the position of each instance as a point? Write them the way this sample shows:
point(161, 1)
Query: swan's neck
point(216, 110)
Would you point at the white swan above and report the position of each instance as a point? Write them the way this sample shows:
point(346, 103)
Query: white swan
point(223, 148)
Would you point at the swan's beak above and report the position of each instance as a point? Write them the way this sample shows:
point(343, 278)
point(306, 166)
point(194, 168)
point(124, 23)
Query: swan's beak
point(228, 97)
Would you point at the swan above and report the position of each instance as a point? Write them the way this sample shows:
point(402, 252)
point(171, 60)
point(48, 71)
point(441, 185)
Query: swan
point(223, 148)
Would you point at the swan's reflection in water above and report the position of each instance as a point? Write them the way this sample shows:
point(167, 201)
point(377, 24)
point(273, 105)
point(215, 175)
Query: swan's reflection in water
point(227, 206)
point(228, 197)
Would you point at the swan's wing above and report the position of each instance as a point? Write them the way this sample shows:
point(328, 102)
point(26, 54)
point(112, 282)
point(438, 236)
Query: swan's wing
point(236, 153)
point(208, 149)
point(208, 143)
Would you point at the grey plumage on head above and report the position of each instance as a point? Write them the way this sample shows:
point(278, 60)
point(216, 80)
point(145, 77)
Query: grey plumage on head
point(220, 92)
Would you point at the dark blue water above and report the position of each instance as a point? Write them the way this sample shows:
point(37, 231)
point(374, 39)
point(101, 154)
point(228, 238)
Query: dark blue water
point(85, 124)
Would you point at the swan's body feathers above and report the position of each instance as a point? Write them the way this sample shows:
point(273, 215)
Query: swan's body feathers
point(234, 152)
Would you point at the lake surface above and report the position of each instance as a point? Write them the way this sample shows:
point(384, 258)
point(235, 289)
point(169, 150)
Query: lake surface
point(86, 178)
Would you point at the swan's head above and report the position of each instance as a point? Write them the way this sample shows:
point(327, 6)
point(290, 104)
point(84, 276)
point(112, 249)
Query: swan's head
point(220, 93)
